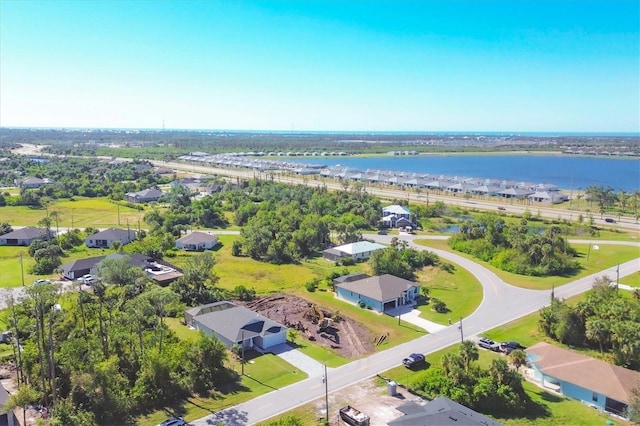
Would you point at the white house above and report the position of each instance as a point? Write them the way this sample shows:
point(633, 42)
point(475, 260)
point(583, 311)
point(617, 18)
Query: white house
point(105, 239)
point(358, 251)
point(197, 241)
point(391, 215)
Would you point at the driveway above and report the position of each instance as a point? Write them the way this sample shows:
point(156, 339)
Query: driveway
point(298, 359)
point(412, 316)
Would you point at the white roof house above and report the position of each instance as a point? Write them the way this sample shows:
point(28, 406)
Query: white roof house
point(360, 250)
point(396, 209)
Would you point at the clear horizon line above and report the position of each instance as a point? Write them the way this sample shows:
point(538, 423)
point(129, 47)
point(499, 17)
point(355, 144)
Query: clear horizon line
point(542, 133)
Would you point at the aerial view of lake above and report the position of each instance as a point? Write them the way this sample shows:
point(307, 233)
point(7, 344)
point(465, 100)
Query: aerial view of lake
point(565, 171)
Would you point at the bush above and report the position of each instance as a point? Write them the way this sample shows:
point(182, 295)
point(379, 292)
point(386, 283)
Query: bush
point(311, 286)
point(438, 305)
point(361, 303)
point(236, 248)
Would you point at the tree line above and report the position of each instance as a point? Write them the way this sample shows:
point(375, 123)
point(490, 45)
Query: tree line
point(516, 248)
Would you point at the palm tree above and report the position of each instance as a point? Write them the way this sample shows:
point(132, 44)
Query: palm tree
point(468, 352)
point(597, 330)
point(518, 358)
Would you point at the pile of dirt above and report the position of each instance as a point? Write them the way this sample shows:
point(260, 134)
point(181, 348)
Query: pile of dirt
point(347, 337)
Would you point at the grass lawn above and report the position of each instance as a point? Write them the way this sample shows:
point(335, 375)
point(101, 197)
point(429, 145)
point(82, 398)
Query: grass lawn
point(592, 261)
point(460, 290)
point(11, 272)
point(264, 277)
point(80, 213)
point(263, 374)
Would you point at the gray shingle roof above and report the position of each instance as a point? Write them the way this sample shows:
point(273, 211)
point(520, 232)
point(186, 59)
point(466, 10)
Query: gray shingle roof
point(113, 234)
point(234, 322)
point(26, 233)
point(197, 238)
point(440, 411)
point(381, 288)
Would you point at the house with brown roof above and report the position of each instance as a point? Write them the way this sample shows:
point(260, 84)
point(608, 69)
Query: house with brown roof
point(380, 293)
point(599, 384)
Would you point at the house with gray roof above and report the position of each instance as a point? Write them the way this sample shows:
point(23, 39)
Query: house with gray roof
point(549, 197)
point(158, 270)
point(382, 293)
point(441, 411)
point(236, 325)
point(394, 213)
point(25, 236)
point(197, 241)
point(144, 196)
point(106, 238)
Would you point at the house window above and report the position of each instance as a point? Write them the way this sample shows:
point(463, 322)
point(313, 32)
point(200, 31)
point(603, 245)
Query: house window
point(594, 397)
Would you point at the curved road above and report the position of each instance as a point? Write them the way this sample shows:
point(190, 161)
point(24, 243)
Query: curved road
point(501, 304)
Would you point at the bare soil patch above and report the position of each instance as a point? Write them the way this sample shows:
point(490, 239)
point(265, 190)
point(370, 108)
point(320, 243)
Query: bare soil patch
point(347, 337)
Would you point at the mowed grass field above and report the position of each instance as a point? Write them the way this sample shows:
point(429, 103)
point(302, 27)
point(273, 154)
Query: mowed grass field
point(459, 290)
point(591, 260)
point(80, 213)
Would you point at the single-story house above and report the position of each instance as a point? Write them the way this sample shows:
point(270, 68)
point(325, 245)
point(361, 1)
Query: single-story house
point(160, 271)
point(358, 251)
point(599, 384)
point(551, 197)
point(7, 418)
point(441, 411)
point(25, 236)
point(197, 241)
point(32, 182)
point(79, 267)
point(144, 196)
point(381, 293)
point(350, 277)
point(105, 239)
point(233, 324)
point(391, 214)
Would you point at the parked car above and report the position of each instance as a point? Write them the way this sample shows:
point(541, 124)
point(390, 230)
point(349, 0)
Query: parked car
point(88, 279)
point(413, 360)
point(501, 208)
point(40, 282)
point(485, 343)
point(173, 421)
point(609, 220)
point(508, 347)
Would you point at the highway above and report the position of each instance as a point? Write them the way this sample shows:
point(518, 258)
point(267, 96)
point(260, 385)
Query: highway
point(501, 304)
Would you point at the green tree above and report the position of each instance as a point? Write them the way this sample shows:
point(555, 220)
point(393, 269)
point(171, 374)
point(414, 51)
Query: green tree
point(198, 284)
point(25, 396)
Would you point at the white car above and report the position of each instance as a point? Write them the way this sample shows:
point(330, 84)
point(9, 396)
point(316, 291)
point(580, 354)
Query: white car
point(40, 282)
point(87, 279)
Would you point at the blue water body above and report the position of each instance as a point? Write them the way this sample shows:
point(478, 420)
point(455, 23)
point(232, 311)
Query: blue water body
point(565, 171)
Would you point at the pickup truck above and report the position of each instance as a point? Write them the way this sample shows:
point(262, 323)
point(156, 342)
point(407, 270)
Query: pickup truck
point(413, 360)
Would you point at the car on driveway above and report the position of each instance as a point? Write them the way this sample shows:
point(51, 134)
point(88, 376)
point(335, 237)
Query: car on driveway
point(413, 360)
point(508, 347)
point(40, 282)
point(173, 421)
point(485, 343)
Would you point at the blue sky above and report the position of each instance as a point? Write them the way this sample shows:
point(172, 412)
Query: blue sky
point(509, 65)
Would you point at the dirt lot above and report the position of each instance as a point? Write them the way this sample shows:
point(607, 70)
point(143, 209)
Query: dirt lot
point(369, 398)
point(347, 337)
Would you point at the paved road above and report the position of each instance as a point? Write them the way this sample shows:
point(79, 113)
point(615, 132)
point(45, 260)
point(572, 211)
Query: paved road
point(501, 304)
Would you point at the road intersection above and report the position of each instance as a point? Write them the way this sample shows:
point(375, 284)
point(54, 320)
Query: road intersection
point(501, 304)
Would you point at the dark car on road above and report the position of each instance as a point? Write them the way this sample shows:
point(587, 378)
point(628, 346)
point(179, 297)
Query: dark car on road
point(609, 220)
point(413, 360)
point(508, 347)
point(485, 343)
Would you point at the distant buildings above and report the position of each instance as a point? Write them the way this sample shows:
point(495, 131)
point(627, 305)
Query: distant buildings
point(25, 236)
point(357, 251)
point(145, 196)
point(106, 238)
point(197, 241)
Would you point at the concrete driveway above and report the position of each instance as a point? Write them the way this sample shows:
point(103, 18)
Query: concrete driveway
point(298, 359)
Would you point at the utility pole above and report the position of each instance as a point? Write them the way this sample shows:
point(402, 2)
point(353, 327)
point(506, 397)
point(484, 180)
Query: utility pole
point(618, 278)
point(118, 205)
point(325, 379)
point(242, 348)
point(461, 334)
point(21, 269)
